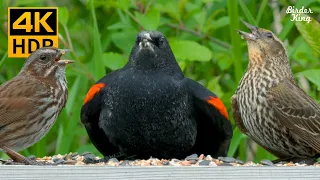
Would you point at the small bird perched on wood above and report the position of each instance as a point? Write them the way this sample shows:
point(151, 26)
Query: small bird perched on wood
point(148, 108)
point(31, 102)
point(270, 107)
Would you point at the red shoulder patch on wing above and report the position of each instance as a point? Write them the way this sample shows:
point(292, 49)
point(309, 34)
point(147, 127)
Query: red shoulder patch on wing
point(93, 91)
point(218, 104)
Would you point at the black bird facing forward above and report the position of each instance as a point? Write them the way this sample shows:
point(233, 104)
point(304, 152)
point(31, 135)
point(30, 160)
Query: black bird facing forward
point(148, 108)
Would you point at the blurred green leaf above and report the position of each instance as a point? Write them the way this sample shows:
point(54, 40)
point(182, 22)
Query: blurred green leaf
point(310, 32)
point(170, 7)
point(247, 13)
point(190, 50)
point(97, 53)
point(237, 137)
point(124, 40)
point(200, 18)
point(3, 59)
point(261, 11)
point(123, 4)
point(221, 22)
point(312, 75)
point(182, 64)
point(41, 149)
point(73, 91)
point(263, 154)
point(114, 61)
point(224, 60)
point(301, 51)
point(289, 24)
point(151, 20)
point(63, 15)
point(119, 25)
point(59, 139)
point(124, 22)
point(70, 130)
point(235, 39)
point(35, 3)
point(213, 85)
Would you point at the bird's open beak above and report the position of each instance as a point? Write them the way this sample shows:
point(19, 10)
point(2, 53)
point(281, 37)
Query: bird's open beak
point(63, 61)
point(249, 36)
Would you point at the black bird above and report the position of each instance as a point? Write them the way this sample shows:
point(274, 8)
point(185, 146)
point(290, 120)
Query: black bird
point(148, 108)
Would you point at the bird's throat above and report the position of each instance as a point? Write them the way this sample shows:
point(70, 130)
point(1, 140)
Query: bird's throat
point(256, 58)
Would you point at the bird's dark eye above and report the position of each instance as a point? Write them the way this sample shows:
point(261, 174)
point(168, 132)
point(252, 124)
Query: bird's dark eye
point(160, 41)
point(269, 35)
point(43, 57)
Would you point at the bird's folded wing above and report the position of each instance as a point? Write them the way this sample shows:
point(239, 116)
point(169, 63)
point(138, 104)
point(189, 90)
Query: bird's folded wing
point(210, 105)
point(90, 117)
point(18, 102)
point(212, 121)
point(237, 116)
point(297, 111)
point(12, 110)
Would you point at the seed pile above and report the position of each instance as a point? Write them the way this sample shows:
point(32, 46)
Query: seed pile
point(90, 159)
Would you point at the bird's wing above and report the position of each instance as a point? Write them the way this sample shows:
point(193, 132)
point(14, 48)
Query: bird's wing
point(237, 115)
point(212, 120)
point(16, 104)
point(90, 113)
point(239, 122)
point(13, 110)
point(297, 111)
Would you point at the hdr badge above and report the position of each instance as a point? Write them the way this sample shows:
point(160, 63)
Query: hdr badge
point(30, 28)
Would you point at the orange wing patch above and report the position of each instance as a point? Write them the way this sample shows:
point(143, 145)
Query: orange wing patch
point(93, 91)
point(218, 104)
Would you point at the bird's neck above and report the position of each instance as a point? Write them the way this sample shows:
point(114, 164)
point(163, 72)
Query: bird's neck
point(277, 65)
point(149, 66)
point(54, 75)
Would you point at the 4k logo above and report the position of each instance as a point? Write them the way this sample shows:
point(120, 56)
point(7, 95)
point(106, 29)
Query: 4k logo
point(30, 29)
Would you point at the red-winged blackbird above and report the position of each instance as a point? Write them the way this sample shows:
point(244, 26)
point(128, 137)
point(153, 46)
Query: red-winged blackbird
point(269, 106)
point(148, 108)
point(31, 102)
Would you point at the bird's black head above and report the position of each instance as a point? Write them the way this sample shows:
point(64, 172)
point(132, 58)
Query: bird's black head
point(151, 50)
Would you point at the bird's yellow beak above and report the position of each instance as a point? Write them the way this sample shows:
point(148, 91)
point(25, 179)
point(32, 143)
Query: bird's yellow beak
point(63, 61)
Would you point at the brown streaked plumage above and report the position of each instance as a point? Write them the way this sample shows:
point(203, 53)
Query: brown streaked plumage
point(270, 107)
point(31, 102)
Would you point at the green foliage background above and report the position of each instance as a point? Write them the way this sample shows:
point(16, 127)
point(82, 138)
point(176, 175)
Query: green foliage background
point(201, 33)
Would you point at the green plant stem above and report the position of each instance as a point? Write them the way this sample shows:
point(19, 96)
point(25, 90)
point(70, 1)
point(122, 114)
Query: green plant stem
point(4, 57)
point(217, 41)
point(99, 70)
point(235, 39)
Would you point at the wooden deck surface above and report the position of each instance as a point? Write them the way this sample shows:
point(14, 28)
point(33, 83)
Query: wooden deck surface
point(8, 172)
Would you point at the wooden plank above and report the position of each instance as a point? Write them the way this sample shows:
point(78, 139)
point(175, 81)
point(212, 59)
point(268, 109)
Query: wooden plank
point(8, 172)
